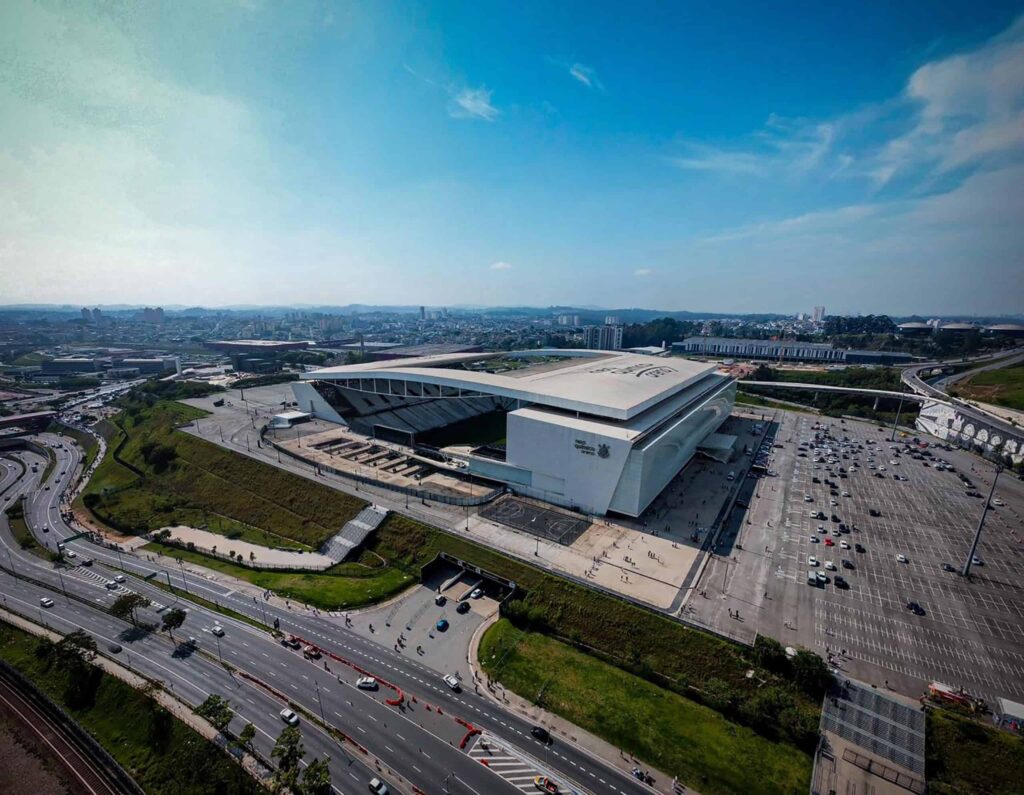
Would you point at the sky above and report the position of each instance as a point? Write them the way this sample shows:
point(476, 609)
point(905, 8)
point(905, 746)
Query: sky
point(716, 156)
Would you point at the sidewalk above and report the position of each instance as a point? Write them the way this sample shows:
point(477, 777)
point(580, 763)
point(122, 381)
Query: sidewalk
point(582, 739)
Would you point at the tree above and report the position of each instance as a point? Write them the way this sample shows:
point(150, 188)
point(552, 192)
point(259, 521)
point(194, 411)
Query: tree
point(73, 654)
point(246, 736)
point(810, 673)
point(172, 620)
point(288, 752)
point(317, 778)
point(125, 606)
point(216, 710)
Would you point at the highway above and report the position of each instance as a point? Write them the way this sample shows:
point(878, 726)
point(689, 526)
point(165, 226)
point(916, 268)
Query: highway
point(419, 745)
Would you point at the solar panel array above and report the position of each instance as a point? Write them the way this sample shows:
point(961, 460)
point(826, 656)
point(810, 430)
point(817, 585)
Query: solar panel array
point(880, 725)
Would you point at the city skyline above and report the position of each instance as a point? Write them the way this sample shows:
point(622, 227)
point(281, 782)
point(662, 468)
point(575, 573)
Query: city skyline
point(424, 154)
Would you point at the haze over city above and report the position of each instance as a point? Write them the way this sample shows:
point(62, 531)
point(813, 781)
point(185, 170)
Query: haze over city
point(712, 157)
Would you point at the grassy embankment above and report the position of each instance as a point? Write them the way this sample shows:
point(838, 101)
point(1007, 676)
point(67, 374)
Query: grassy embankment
point(21, 532)
point(965, 757)
point(676, 734)
point(162, 754)
point(155, 476)
point(1003, 387)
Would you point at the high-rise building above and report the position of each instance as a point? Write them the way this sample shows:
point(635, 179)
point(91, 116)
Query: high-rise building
point(603, 338)
point(819, 314)
point(423, 313)
point(612, 320)
point(86, 315)
point(568, 320)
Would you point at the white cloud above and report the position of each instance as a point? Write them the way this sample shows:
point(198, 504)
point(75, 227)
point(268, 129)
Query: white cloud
point(585, 75)
point(643, 272)
point(473, 103)
point(782, 147)
point(500, 266)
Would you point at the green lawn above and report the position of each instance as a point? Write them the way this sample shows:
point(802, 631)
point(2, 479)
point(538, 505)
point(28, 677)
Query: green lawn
point(1003, 387)
point(162, 754)
point(21, 532)
point(966, 757)
point(338, 588)
point(157, 476)
point(665, 730)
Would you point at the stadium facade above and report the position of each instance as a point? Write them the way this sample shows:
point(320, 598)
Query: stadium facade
point(595, 430)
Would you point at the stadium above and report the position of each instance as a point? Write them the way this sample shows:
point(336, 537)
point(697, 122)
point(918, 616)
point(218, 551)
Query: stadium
point(597, 431)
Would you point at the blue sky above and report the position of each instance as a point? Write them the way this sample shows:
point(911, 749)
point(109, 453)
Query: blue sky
point(705, 156)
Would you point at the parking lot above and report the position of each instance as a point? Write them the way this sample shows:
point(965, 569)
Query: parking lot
point(965, 633)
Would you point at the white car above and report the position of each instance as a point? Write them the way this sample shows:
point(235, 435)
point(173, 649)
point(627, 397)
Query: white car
point(843, 545)
point(217, 630)
point(289, 717)
point(366, 683)
point(477, 593)
point(901, 559)
point(812, 561)
point(110, 585)
point(821, 529)
point(998, 502)
point(830, 565)
point(70, 553)
point(846, 494)
point(452, 682)
point(46, 601)
point(814, 539)
point(118, 578)
point(378, 787)
point(808, 498)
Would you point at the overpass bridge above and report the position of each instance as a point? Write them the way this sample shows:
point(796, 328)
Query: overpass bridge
point(946, 418)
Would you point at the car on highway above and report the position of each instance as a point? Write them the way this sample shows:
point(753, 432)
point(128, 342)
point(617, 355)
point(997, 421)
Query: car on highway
point(114, 648)
point(542, 734)
point(378, 787)
point(217, 630)
point(118, 578)
point(463, 607)
point(110, 585)
point(70, 553)
point(452, 682)
point(46, 601)
point(85, 562)
point(291, 642)
point(441, 625)
point(289, 717)
point(366, 683)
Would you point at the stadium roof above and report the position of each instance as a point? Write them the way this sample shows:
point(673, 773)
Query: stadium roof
point(609, 384)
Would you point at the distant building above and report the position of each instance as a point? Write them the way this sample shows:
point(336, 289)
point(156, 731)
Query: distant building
point(71, 366)
point(97, 316)
point(1005, 330)
point(154, 366)
point(423, 313)
point(603, 338)
point(154, 316)
point(819, 314)
point(785, 350)
point(612, 320)
point(86, 315)
point(568, 320)
point(915, 329)
point(253, 363)
point(958, 328)
point(257, 346)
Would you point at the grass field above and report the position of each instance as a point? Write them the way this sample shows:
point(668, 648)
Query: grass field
point(157, 476)
point(1003, 387)
point(965, 757)
point(162, 754)
point(661, 728)
point(21, 532)
point(340, 587)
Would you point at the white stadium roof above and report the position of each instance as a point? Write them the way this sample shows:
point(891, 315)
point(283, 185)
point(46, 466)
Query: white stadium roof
point(608, 384)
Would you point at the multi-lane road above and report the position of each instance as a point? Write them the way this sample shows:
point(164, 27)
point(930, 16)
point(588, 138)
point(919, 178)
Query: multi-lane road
point(417, 744)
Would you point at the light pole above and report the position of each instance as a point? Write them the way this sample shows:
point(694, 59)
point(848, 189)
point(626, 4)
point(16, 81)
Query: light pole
point(60, 575)
point(896, 421)
point(184, 582)
point(981, 524)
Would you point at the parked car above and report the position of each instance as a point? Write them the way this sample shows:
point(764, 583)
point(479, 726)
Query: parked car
point(948, 567)
point(463, 607)
point(901, 558)
point(440, 600)
point(442, 625)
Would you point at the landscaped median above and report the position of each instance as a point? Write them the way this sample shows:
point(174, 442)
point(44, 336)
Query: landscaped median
point(663, 729)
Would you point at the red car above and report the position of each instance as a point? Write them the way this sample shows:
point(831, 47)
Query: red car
point(829, 542)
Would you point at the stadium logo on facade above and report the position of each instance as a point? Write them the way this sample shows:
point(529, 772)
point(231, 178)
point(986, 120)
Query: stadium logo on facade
point(603, 451)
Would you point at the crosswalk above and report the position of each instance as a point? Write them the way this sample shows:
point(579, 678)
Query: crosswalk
point(491, 752)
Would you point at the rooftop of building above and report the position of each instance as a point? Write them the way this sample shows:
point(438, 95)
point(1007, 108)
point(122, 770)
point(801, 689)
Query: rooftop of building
point(608, 384)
